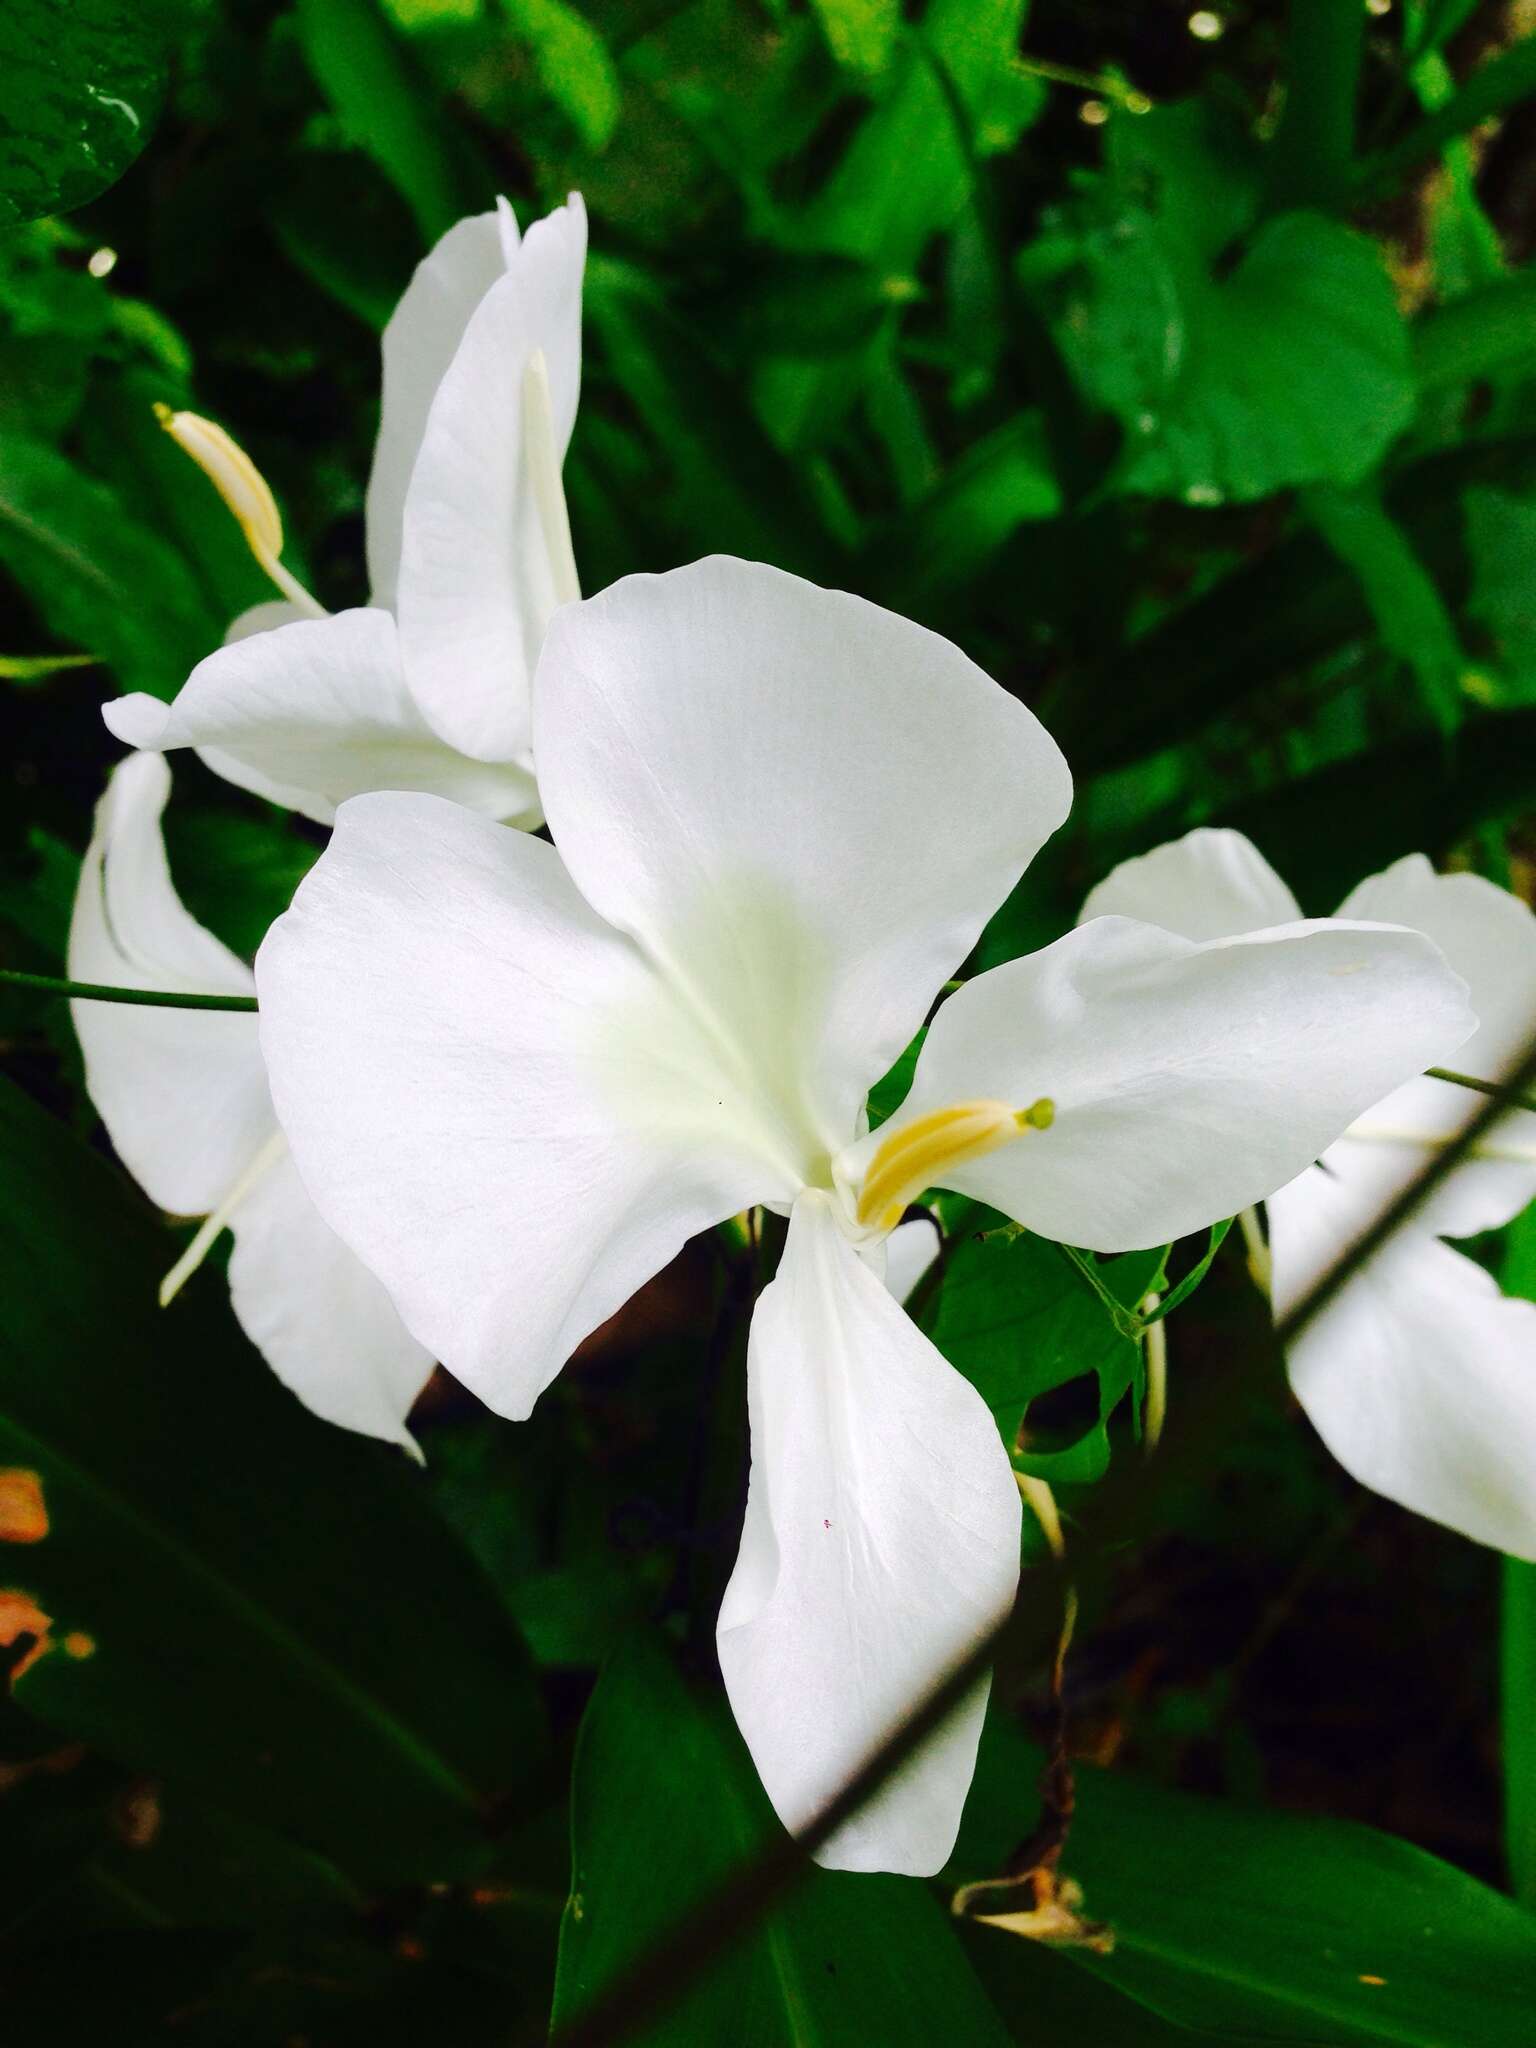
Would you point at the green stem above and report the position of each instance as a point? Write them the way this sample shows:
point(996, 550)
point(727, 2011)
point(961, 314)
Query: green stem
point(1517, 1690)
point(99, 992)
point(1490, 89)
point(1513, 1096)
point(1315, 144)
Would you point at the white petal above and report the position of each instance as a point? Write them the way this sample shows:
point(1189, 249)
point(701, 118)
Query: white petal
point(475, 587)
point(910, 1250)
point(490, 1096)
point(1188, 1080)
point(1489, 937)
point(316, 712)
point(1211, 884)
point(317, 1315)
point(738, 767)
point(419, 343)
point(181, 1092)
point(1420, 1377)
point(881, 1545)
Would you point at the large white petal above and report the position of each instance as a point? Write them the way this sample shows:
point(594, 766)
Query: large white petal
point(738, 766)
point(312, 713)
point(1211, 884)
point(1188, 1080)
point(1489, 937)
point(489, 1093)
point(475, 586)
point(1420, 1376)
point(419, 343)
point(181, 1092)
point(318, 1316)
point(881, 1545)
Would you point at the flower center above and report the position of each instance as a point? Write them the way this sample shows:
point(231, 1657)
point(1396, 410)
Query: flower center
point(918, 1155)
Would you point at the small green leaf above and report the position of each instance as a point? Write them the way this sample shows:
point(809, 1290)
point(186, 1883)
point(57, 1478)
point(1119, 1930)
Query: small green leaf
point(666, 1805)
point(861, 34)
point(81, 86)
point(573, 63)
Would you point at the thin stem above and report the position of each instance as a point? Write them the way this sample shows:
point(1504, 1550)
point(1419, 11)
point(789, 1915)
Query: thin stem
point(1261, 1264)
point(208, 1230)
point(290, 586)
point(1155, 1350)
point(1514, 1097)
point(1491, 88)
point(99, 992)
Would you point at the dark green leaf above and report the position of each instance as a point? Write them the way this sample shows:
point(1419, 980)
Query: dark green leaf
point(243, 1599)
point(98, 578)
point(1267, 1925)
point(81, 84)
point(666, 1805)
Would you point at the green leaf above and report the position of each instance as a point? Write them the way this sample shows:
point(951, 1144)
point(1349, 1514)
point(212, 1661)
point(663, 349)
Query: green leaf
point(944, 541)
point(1263, 1925)
point(1501, 541)
point(1293, 369)
point(573, 63)
point(861, 34)
point(1517, 1634)
point(81, 86)
point(1409, 611)
point(386, 108)
point(1484, 333)
point(1018, 1321)
point(98, 578)
point(666, 1805)
point(252, 1604)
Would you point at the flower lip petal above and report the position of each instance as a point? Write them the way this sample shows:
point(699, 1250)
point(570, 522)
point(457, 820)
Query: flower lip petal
point(1211, 884)
point(801, 805)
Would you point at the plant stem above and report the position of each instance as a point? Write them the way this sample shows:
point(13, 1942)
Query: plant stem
point(99, 992)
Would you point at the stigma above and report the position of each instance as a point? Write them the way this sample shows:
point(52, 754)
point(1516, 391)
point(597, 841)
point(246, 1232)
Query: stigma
point(918, 1155)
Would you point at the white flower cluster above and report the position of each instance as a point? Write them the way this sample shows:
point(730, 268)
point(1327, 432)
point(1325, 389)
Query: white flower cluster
point(498, 1081)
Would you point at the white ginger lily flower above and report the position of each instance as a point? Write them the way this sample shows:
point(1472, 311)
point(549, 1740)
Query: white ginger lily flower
point(183, 1095)
point(469, 553)
point(1420, 1377)
point(517, 1079)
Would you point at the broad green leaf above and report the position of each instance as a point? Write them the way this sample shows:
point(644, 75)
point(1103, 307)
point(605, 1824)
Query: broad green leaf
point(1268, 1926)
point(1292, 369)
point(1019, 1322)
point(81, 86)
point(258, 1607)
point(1409, 612)
point(97, 577)
point(385, 106)
point(573, 65)
point(666, 1805)
point(861, 34)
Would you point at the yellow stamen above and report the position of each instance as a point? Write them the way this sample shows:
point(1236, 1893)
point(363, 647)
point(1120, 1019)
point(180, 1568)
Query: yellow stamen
point(244, 490)
point(916, 1156)
point(542, 454)
point(202, 1243)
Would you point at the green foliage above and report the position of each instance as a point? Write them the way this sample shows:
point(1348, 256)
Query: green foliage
point(258, 1607)
point(1269, 1926)
point(655, 1828)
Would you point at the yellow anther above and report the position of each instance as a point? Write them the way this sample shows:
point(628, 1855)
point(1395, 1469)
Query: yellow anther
point(918, 1154)
point(244, 490)
point(233, 475)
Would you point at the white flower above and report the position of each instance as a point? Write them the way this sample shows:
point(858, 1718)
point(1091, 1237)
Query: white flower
point(183, 1094)
point(428, 687)
point(1420, 1377)
point(516, 1080)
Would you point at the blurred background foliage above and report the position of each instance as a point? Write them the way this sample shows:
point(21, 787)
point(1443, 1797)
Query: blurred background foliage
point(1181, 366)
